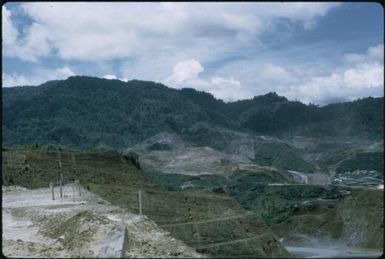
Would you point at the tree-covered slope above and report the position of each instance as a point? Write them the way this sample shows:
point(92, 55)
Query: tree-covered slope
point(87, 112)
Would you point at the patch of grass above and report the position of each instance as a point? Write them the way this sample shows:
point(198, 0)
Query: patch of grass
point(37, 168)
point(275, 203)
point(281, 156)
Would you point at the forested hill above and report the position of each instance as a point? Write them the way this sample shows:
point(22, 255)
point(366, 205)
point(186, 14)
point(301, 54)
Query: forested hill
point(86, 112)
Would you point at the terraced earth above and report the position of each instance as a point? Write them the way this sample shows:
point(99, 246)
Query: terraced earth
point(212, 223)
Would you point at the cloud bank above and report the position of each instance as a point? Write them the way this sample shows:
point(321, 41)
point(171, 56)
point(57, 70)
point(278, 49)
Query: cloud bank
point(226, 49)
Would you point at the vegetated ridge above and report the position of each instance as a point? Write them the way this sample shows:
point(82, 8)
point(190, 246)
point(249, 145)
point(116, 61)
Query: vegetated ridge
point(86, 112)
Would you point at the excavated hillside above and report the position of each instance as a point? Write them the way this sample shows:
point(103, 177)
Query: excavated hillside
point(211, 223)
point(362, 214)
point(168, 153)
point(356, 221)
point(34, 225)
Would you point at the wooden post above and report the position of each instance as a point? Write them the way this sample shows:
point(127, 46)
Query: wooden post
point(61, 190)
point(140, 201)
point(78, 183)
point(61, 181)
point(57, 182)
point(73, 192)
point(53, 195)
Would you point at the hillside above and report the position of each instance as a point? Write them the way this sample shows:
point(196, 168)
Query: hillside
point(86, 112)
point(211, 223)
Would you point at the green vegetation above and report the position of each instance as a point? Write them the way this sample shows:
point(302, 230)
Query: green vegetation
point(363, 161)
point(88, 112)
point(273, 203)
point(62, 119)
point(332, 158)
point(115, 178)
point(37, 168)
point(345, 160)
point(177, 182)
point(85, 112)
point(281, 156)
point(276, 203)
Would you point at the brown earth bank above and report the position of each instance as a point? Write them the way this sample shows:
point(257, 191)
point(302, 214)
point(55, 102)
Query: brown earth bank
point(356, 221)
point(212, 224)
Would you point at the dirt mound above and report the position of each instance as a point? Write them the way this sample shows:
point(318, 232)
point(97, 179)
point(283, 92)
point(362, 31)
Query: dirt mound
point(146, 240)
point(74, 231)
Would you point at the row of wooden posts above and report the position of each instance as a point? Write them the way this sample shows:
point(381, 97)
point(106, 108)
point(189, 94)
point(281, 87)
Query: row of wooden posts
point(77, 182)
point(60, 184)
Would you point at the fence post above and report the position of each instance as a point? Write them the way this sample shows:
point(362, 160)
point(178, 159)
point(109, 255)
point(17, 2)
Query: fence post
point(51, 186)
point(140, 202)
point(78, 184)
point(61, 183)
point(73, 192)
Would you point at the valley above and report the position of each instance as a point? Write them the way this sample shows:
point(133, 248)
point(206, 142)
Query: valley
point(217, 202)
point(264, 177)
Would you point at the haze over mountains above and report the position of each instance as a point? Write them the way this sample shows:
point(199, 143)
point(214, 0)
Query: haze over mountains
point(87, 112)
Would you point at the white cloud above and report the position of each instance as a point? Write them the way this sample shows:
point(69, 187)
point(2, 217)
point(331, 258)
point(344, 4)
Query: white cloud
point(373, 54)
point(359, 78)
point(185, 74)
point(105, 31)
point(363, 76)
point(354, 82)
point(228, 89)
point(356, 79)
point(62, 73)
point(109, 76)
point(271, 75)
point(33, 46)
point(15, 80)
point(114, 77)
point(377, 52)
point(184, 70)
point(38, 76)
point(221, 81)
point(10, 33)
point(155, 41)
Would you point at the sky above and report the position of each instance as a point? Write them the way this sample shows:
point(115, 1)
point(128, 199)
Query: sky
point(313, 52)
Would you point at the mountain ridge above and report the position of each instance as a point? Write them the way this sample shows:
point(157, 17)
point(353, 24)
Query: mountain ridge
point(86, 112)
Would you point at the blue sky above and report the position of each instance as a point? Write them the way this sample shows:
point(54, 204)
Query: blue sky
point(312, 52)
